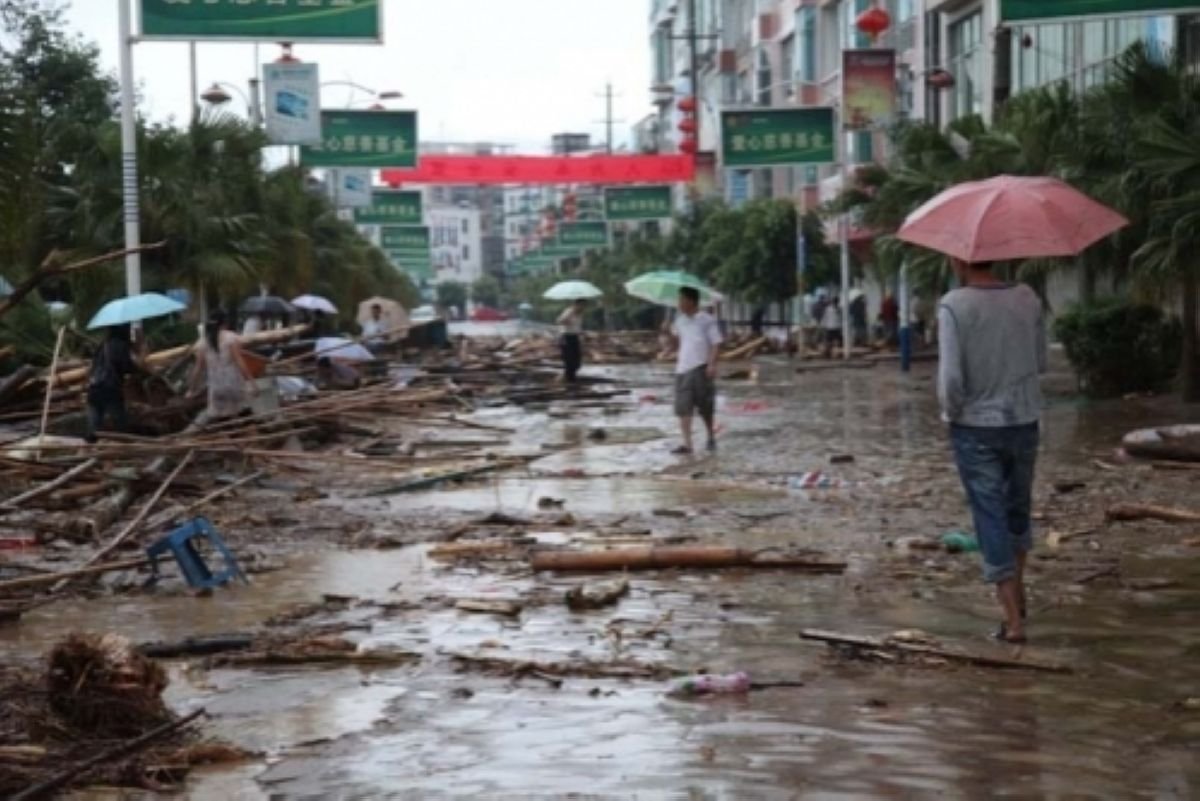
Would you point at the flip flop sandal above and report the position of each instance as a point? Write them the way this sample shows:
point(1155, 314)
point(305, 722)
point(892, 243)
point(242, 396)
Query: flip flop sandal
point(1002, 635)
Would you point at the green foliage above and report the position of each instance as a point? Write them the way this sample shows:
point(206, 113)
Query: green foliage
point(230, 226)
point(487, 292)
point(452, 293)
point(1118, 346)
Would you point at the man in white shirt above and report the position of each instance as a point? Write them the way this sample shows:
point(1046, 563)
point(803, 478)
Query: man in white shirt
point(698, 338)
point(375, 328)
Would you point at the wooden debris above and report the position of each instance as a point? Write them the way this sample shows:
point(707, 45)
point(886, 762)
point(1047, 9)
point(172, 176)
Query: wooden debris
point(504, 608)
point(1127, 512)
point(582, 669)
point(652, 558)
point(895, 647)
point(472, 549)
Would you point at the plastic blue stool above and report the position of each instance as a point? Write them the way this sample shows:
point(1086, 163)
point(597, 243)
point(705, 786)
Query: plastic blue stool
point(179, 544)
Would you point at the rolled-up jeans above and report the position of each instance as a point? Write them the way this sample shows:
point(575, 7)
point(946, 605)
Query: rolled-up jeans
point(996, 466)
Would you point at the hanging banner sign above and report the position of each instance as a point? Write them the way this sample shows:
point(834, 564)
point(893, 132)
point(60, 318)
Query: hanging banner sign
point(778, 137)
point(391, 207)
point(364, 139)
point(358, 21)
point(545, 170)
point(637, 203)
point(293, 103)
point(584, 234)
point(1021, 10)
point(350, 188)
point(869, 94)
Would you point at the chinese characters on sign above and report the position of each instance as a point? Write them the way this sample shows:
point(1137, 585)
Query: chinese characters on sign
point(637, 203)
point(373, 139)
point(778, 137)
point(263, 20)
point(391, 208)
point(407, 247)
point(584, 234)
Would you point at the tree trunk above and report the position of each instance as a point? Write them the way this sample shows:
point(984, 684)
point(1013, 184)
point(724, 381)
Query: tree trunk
point(1191, 365)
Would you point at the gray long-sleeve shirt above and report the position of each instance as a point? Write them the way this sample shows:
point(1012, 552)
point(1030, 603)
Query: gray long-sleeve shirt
point(993, 349)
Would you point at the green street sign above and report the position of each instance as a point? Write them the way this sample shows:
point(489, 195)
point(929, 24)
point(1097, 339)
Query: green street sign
point(264, 20)
point(418, 266)
point(1019, 10)
point(778, 137)
point(375, 139)
point(405, 238)
point(584, 234)
point(559, 250)
point(391, 207)
point(637, 203)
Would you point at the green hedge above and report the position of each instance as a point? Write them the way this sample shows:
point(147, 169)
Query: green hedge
point(1118, 346)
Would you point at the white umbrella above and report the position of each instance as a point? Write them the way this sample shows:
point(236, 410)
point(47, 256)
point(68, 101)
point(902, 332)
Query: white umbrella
point(314, 303)
point(342, 350)
point(573, 290)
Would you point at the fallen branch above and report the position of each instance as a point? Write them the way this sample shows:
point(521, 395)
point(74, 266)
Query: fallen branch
point(49, 269)
point(1127, 512)
point(651, 558)
point(50, 578)
point(65, 777)
point(749, 349)
point(14, 504)
point(196, 646)
point(878, 644)
point(587, 670)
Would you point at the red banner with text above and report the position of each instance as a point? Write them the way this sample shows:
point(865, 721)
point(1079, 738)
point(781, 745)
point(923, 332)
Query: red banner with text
point(545, 170)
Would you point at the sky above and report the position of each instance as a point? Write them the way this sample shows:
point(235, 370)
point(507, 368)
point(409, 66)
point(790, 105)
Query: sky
point(507, 71)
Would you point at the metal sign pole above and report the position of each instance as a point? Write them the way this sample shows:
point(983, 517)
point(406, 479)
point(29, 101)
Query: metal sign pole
point(129, 167)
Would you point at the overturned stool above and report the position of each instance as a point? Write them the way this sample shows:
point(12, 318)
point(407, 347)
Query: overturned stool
point(181, 543)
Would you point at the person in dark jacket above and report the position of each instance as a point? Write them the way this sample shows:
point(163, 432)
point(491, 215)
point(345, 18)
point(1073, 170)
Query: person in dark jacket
point(106, 384)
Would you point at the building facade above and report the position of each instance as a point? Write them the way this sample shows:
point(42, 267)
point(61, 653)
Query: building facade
point(456, 243)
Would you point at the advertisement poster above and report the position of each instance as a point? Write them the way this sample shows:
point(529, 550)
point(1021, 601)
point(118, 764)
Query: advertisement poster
point(293, 103)
point(351, 188)
point(868, 89)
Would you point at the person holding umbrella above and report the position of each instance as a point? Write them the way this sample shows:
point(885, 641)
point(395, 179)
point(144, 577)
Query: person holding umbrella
point(992, 344)
point(698, 340)
point(571, 322)
point(115, 360)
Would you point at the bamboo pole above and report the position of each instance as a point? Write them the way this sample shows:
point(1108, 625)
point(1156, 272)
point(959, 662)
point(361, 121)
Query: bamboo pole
point(13, 504)
point(62, 335)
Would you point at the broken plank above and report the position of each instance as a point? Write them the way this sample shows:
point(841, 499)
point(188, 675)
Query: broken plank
point(962, 657)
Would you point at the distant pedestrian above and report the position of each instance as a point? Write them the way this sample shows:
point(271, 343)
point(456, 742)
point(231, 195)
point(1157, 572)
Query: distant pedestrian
point(858, 317)
point(698, 338)
point(571, 322)
point(219, 358)
point(889, 318)
point(106, 383)
point(375, 329)
point(992, 343)
point(831, 324)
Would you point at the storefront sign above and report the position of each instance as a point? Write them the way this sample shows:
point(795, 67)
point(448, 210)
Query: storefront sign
point(391, 207)
point(364, 139)
point(778, 137)
point(1020, 10)
point(264, 20)
point(637, 203)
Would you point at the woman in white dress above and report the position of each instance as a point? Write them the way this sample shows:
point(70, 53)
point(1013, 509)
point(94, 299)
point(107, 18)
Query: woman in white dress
point(219, 357)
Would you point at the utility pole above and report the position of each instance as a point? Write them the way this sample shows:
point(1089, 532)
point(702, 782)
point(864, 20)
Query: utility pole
point(129, 165)
point(609, 121)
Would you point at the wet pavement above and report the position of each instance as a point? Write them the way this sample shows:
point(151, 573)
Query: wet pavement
point(1119, 727)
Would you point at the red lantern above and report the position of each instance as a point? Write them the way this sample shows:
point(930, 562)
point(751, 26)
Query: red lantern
point(688, 125)
point(688, 146)
point(687, 105)
point(873, 22)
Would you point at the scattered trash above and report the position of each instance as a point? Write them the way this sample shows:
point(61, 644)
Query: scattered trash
point(551, 503)
point(504, 608)
point(960, 542)
point(842, 458)
point(704, 684)
point(595, 596)
point(181, 543)
point(815, 479)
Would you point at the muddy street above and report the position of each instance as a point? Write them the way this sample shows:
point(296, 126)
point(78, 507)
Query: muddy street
point(508, 693)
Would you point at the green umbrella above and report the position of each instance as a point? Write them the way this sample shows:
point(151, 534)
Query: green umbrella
point(662, 287)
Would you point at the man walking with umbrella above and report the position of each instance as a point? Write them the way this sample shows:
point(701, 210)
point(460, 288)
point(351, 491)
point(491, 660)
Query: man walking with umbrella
point(992, 342)
point(698, 338)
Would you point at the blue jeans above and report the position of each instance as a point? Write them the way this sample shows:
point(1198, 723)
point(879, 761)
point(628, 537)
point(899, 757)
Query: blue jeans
point(996, 466)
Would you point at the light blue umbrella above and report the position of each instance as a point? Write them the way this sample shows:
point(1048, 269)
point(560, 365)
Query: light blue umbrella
point(6, 288)
point(133, 309)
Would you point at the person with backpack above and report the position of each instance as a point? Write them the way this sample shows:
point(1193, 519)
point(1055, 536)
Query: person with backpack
point(113, 361)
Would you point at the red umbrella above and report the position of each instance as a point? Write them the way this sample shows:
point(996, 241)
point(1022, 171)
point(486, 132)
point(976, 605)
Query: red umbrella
point(1008, 219)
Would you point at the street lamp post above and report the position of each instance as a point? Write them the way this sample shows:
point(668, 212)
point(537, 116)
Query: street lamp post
point(129, 169)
